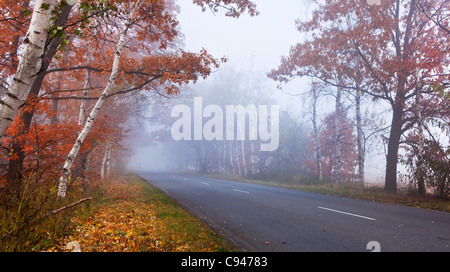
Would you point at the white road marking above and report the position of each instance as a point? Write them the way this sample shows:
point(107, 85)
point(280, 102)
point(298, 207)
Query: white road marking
point(240, 191)
point(204, 183)
point(352, 214)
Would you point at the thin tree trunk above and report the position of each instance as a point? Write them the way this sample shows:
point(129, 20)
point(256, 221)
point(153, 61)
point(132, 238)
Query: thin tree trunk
point(82, 115)
point(16, 38)
point(420, 169)
point(338, 137)
point(2, 84)
point(359, 138)
point(90, 120)
point(104, 171)
point(253, 157)
point(87, 82)
point(230, 155)
point(316, 135)
point(244, 163)
point(236, 158)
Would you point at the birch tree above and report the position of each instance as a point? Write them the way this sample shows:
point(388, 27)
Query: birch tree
point(62, 188)
point(395, 42)
point(29, 66)
point(316, 132)
point(153, 64)
point(15, 167)
point(338, 136)
point(359, 137)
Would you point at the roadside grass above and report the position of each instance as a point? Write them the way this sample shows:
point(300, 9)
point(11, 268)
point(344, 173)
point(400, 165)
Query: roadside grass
point(130, 215)
point(371, 192)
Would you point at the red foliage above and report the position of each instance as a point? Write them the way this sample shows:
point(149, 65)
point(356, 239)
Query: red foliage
point(349, 153)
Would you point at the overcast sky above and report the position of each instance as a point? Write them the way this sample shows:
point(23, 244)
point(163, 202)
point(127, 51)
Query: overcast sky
point(265, 37)
point(255, 42)
point(258, 43)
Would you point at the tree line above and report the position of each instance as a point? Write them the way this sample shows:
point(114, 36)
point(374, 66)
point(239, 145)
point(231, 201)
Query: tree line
point(393, 56)
point(396, 52)
point(71, 75)
point(73, 71)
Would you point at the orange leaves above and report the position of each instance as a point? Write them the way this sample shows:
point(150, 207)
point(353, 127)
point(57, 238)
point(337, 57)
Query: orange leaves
point(135, 220)
point(15, 18)
point(119, 228)
point(170, 70)
point(348, 37)
point(151, 61)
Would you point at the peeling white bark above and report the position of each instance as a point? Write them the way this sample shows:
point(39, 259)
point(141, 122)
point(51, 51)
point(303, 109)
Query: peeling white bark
point(82, 115)
point(62, 189)
point(104, 171)
point(30, 63)
point(87, 82)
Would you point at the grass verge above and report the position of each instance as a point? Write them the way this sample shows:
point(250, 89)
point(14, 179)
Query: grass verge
point(130, 215)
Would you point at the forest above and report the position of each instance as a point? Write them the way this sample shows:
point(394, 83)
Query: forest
point(378, 88)
point(81, 78)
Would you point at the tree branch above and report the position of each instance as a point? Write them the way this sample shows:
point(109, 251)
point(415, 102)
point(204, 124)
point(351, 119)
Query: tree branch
point(66, 207)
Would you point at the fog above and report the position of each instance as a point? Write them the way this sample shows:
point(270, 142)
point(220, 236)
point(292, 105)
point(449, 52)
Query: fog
point(253, 46)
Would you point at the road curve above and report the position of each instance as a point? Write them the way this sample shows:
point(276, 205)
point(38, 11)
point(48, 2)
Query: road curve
point(259, 218)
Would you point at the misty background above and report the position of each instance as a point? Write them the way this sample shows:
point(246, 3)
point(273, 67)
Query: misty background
point(253, 46)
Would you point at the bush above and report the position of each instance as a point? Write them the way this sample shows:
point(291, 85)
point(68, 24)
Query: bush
point(25, 220)
point(436, 168)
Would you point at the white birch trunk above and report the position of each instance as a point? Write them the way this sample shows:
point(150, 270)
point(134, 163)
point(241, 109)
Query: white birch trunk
point(87, 82)
point(82, 115)
point(111, 163)
point(252, 158)
point(230, 156)
point(236, 157)
point(316, 135)
point(108, 162)
point(104, 167)
point(2, 87)
point(90, 120)
point(244, 163)
point(337, 123)
point(30, 63)
point(361, 156)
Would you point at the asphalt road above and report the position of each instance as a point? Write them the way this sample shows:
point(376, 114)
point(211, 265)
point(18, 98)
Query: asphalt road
point(260, 218)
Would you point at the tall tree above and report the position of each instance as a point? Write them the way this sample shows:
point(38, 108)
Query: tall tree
point(62, 188)
point(25, 117)
point(338, 136)
point(392, 46)
point(359, 137)
point(169, 69)
point(344, 170)
point(316, 131)
point(30, 64)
